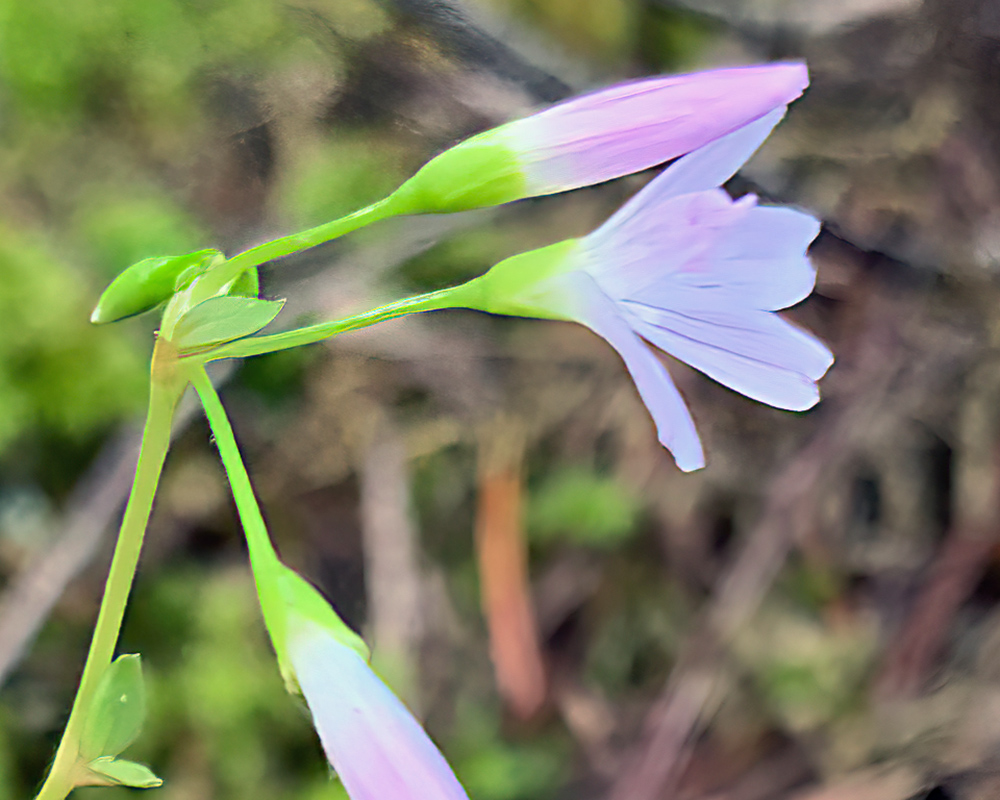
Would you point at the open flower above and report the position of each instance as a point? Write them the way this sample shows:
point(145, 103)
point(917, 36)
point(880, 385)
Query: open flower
point(691, 271)
point(599, 136)
point(373, 742)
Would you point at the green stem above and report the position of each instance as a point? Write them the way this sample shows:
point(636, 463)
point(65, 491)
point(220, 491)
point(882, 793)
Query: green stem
point(296, 242)
point(281, 592)
point(163, 396)
point(263, 559)
point(327, 232)
point(452, 297)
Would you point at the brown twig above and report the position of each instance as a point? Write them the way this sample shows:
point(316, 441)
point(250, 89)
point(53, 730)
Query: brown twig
point(503, 571)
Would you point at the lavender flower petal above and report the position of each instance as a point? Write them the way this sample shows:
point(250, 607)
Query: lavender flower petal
point(674, 425)
point(760, 258)
point(653, 211)
point(756, 353)
point(376, 746)
point(638, 253)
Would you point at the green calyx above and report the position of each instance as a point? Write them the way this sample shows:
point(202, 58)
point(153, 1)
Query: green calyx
point(288, 603)
point(150, 282)
point(511, 286)
point(481, 171)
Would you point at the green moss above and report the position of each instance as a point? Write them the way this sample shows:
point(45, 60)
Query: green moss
point(581, 506)
point(334, 177)
point(58, 372)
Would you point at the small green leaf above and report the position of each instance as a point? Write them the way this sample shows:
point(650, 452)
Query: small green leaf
point(146, 284)
point(110, 771)
point(222, 319)
point(247, 285)
point(117, 711)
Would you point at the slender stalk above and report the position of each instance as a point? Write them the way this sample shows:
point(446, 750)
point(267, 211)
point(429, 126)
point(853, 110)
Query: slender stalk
point(296, 242)
point(263, 559)
point(164, 392)
point(303, 240)
point(451, 297)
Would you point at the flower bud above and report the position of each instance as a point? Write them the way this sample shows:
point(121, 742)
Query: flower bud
point(598, 137)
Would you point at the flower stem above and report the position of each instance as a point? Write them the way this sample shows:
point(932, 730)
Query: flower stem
point(328, 231)
point(165, 390)
point(296, 242)
point(452, 297)
point(263, 558)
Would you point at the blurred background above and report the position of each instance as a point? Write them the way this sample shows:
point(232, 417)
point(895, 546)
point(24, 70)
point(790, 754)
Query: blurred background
point(813, 616)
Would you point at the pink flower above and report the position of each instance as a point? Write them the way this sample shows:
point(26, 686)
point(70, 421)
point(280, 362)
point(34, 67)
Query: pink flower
point(373, 742)
point(694, 273)
point(598, 136)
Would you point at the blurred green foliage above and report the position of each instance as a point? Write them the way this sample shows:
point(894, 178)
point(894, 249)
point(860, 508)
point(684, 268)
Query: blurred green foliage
point(333, 178)
point(57, 373)
point(493, 766)
point(635, 629)
point(672, 38)
point(123, 223)
point(455, 259)
point(66, 61)
point(663, 37)
point(579, 505)
point(603, 29)
point(808, 673)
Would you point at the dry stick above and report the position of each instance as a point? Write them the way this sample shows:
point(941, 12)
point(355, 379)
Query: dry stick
point(392, 562)
point(770, 777)
point(502, 556)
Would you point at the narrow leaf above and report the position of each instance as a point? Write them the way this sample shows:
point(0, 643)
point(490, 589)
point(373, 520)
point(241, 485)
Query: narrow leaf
point(222, 319)
point(110, 771)
point(117, 711)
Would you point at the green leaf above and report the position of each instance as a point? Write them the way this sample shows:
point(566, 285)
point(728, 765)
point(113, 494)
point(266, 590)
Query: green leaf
point(222, 319)
point(247, 285)
point(110, 771)
point(117, 711)
point(145, 285)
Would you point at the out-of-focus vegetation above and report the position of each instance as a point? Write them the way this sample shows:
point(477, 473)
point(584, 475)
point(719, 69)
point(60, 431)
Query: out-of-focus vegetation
point(815, 611)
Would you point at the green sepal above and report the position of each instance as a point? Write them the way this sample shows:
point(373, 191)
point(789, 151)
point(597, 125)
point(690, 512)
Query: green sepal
point(287, 599)
point(247, 285)
point(109, 771)
point(223, 319)
point(507, 288)
point(481, 171)
point(117, 711)
point(144, 285)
